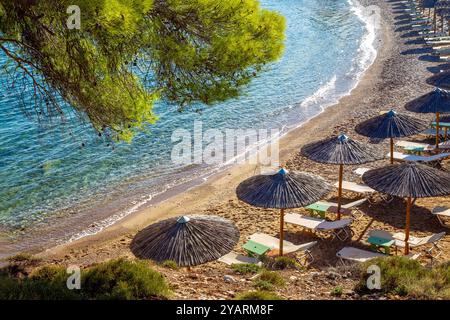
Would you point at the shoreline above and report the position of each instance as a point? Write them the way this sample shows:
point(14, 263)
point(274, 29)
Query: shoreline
point(363, 60)
point(102, 216)
point(173, 202)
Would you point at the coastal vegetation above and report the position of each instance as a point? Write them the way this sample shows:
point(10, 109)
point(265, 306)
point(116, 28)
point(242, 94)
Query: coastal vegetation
point(117, 279)
point(246, 268)
point(408, 278)
point(268, 280)
point(126, 55)
point(170, 264)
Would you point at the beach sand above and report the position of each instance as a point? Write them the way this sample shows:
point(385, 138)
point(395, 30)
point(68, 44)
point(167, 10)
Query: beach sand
point(397, 76)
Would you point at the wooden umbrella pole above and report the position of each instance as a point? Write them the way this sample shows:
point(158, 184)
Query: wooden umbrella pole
point(437, 129)
point(392, 150)
point(408, 223)
point(281, 231)
point(341, 177)
point(434, 21)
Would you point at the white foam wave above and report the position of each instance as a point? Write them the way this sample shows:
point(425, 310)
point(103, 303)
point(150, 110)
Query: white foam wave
point(328, 94)
point(321, 95)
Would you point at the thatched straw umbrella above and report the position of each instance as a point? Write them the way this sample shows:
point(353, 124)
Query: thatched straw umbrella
point(390, 125)
point(410, 181)
point(187, 240)
point(441, 8)
point(440, 80)
point(437, 101)
point(282, 190)
point(341, 150)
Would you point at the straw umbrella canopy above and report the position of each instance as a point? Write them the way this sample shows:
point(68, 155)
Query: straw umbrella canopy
point(441, 8)
point(282, 190)
point(437, 101)
point(411, 181)
point(341, 150)
point(187, 240)
point(389, 126)
point(440, 80)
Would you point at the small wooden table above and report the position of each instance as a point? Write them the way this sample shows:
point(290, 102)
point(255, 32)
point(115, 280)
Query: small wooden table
point(415, 150)
point(319, 209)
point(255, 248)
point(377, 243)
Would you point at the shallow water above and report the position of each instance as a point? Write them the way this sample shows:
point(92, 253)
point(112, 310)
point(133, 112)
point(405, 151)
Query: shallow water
point(52, 189)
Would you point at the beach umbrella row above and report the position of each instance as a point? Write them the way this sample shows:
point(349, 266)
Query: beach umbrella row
point(341, 150)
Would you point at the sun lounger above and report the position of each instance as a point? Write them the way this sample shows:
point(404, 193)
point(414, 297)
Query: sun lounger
point(357, 255)
point(288, 247)
point(424, 146)
point(432, 132)
point(236, 258)
point(415, 242)
point(338, 229)
point(360, 171)
point(438, 46)
point(436, 36)
point(355, 187)
point(421, 27)
point(362, 189)
point(350, 207)
point(413, 158)
point(409, 144)
point(441, 51)
point(442, 213)
point(352, 254)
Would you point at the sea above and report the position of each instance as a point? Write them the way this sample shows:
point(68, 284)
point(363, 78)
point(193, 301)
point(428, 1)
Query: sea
point(60, 181)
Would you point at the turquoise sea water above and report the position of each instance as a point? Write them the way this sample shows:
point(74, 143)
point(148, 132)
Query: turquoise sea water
point(53, 189)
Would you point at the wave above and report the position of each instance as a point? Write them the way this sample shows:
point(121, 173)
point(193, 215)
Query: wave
point(330, 94)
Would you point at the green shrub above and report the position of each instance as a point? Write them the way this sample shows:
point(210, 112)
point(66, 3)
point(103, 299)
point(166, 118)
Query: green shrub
point(407, 278)
point(267, 280)
point(272, 277)
point(258, 295)
point(337, 291)
point(263, 285)
point(23, 258)
point(170, 264)
point(117, 279)
point(283, 262)
point(9, 287)
point(396, 274)
point(21, 264)
point(246, 268)
point(125, 280)
point(48, 283)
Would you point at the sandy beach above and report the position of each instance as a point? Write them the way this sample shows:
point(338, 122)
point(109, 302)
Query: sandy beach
point(397, 76)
